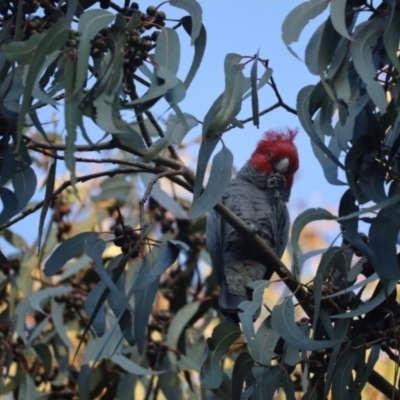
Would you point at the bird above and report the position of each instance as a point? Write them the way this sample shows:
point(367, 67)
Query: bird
point(258, 195)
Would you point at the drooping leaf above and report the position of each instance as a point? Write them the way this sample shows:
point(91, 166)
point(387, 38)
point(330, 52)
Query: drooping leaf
point(268, 381)
point(195, 12)
point(298, 18)
point(131, 367)
point(177, 327)
point(365, 37)
point(199, 49)
point(220, 176)
point(241, 370)
point(144, 299)
point(342, 378)
point(48, 197)
point(175, 133)
point(94, 248)
point(91, 303)
point(222, 338)
point(167, 52)
point(251, 310)
point(231, 99)
point(265, 342)
point(91, 22)
point(303, 109)
point(206, 149)
point(391, 39)
point(22, 51)
point(254, 94)
point(24, 183)
point(35, 299)
point(65, 251)
point(382, 236)
point(284, 323)
point(10, 205)
point(370, 304)
point(51, 42)
point(338, 12)
point(57, 316)
point(166, 256)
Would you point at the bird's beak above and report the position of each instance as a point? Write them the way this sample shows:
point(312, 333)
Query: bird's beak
point(282, 166)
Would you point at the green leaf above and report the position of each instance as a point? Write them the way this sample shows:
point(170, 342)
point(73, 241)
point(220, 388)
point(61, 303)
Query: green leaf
point(391, 39)
point(254, 94)
point(22, 52)
point(177, 328)
point(116, 188)
point(371, 304)
point(382, 236)
point(362, 379)
point(144, 299)
point(167, 53)
point(91, 22)
point(7, 165)
point(310, 215)
point(313, 50)
point(284, 323)
point(36, 298)
point(242, 368)
point(317, 292)
point(72, 115)
point(298, 18)
point(195, 12)
point(10, 205)
point(94, 248)
point(372, 183)
point(268, 381)
point(342, 378)
point(57, 315)
point(94, 312)
point(51, 42)
point(221, 340)
point(66, 251)
point(265, 342)
point(199, 48)
point(220, 176)
point(365, 38)
point(303, 110)
point(251, 310)
point(338, 13)
point(48, 197)
point(44, 354)
point(232, 97)
point(166, 256)
point(206, 149)
point(131, 367)
point(175, 133)
point(265, 77)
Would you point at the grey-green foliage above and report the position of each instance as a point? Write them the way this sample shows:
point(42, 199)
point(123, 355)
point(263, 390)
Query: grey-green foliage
point(123, 338)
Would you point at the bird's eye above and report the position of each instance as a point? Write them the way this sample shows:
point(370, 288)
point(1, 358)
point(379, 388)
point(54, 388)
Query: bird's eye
point(269, 155)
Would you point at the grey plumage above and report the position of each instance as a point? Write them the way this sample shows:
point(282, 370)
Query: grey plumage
point(260, 201)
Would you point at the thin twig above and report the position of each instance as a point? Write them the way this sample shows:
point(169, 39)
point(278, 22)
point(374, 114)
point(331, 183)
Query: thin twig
point(150, 188)
point(65, 185)
point(279, 97)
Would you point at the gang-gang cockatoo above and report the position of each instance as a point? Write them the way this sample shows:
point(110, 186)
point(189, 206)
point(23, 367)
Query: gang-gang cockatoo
point(257, 195)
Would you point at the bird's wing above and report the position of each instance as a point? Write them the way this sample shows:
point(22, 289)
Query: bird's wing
point(214, 244)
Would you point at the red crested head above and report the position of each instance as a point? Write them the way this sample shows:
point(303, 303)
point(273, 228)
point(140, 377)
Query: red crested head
point(276, 152)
